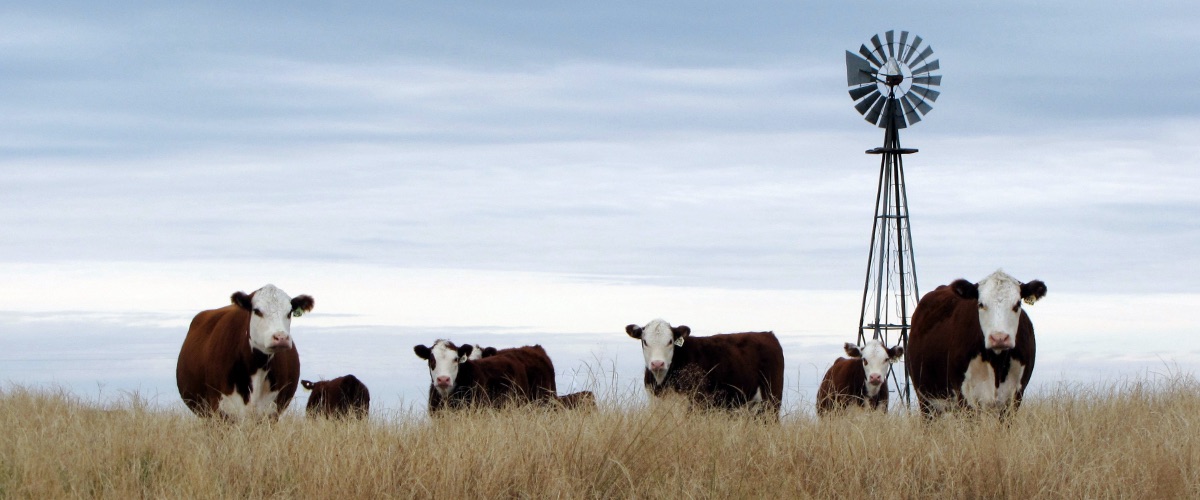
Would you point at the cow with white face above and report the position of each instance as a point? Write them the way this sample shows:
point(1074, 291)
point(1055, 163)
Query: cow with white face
point(240, 361)
point(725, 371)
point(859, 380)
point(464, 376)
point(972, 344)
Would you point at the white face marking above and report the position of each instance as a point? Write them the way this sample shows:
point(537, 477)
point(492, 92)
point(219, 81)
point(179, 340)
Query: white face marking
point(476, 353)
point(270, 320)
point(658, 348)
point(444, 372)
point(261, 403)
point(999, 310)
point(876, 364)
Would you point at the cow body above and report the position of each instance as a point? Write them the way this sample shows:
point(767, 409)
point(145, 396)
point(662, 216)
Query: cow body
point(511, 376)
point(342, 397)
point(972, 345)
point(724, 371)
point(239, 361)
point(582, 400)
point(860, 380)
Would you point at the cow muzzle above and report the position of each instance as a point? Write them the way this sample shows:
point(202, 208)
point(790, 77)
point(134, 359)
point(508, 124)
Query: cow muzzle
point(1000, 341)
point(280, 341)
point(875, 379)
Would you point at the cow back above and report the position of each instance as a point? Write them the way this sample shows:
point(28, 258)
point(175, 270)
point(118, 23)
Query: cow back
point(344, 396)
point(726, 370)
point(516, 375)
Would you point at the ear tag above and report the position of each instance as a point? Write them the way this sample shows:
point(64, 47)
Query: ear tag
point(1029, 300)
point(296, 313)
point(679, 342)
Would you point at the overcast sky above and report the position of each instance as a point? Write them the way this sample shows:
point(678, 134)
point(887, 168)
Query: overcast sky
point(652, 145)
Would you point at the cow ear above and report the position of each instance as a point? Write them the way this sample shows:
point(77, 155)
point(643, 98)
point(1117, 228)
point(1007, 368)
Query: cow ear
point(681, 331)
point(1032, 291)
point(306, 384)
point(634, 331)
point(241, 300)
point(423, 352)
point(965, 289)
point(464, 351)
point(895, 353)
point(301, 304)
point(489, 352)
point(852, 350)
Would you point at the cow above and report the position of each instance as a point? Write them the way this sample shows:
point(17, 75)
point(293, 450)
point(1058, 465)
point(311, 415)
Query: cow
point(859, 380)
point(582, 400)
point(730, 370)
point(510, 376)
point(240, 361)
point(342, 397)
point(972, 345)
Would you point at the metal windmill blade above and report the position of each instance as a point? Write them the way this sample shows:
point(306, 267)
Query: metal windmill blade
point(891, 66)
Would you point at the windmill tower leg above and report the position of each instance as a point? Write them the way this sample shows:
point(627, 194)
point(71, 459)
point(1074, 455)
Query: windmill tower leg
point(890, 288)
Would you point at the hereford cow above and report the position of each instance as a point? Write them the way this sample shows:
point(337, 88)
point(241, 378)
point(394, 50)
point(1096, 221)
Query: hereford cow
point(972, 344)
point(517, 375)
point(342, 397)
point(583, 400)
point(239, 361)
point(725, 371)
point(858, 380)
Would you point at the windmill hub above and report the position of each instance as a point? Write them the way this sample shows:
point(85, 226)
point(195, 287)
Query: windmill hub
point(896, 66)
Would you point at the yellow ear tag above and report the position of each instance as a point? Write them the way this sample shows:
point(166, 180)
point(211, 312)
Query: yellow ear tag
point(296, 313)
point(679, 342)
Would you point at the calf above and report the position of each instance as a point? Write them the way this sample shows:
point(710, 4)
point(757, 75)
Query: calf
point(724, 371)
point(858, 380)
point(342, 397)
point(510, 376)
point(239, 361)
point(972, 345)
point(583, 400)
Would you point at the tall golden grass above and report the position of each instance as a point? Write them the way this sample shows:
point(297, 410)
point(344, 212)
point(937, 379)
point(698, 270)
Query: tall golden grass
point(1135, 440)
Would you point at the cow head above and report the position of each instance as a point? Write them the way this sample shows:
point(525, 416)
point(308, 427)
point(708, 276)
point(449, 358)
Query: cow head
point(478, 352)
point(271, 312)
point(999, 297)
point(659, 341)
point(444, 358)
point(307, 385)
point(876, 359)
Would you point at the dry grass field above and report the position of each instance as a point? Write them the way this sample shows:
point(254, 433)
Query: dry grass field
point(1136, 440)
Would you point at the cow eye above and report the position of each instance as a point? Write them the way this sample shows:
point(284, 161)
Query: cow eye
point(982, 307)
point(644, 344)
point(1016, 306)
point(864, 362)
point(258, 312)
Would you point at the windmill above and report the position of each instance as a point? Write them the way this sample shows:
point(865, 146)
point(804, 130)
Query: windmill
point(891, 83)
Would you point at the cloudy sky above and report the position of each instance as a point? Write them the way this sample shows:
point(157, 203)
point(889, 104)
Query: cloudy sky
point(524, 172)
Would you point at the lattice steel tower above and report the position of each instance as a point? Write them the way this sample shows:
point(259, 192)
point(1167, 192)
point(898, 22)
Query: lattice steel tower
point(892, 88)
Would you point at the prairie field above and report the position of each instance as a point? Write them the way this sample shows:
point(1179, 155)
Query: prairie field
point(1138, 439)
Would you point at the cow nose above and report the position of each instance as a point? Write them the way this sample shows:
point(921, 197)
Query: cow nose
point(1000, 340)
point(281, 339)
point(443, 381)
point(657, 365)
point(876, 379)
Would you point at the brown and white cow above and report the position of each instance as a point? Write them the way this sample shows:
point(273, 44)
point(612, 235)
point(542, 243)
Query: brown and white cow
point(510, 376)
point(342, 397)
point(858, 380)
point(725, 371)
point(972, 344)
point(239, 361)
